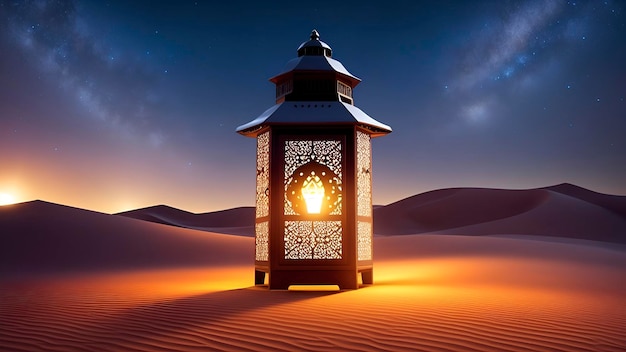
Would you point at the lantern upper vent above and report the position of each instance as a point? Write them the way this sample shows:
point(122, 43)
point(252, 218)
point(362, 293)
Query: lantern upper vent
point(314, 47)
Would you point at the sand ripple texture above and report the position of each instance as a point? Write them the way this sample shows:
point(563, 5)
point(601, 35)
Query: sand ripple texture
point(445, 303)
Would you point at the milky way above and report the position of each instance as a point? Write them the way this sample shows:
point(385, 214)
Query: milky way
point(116, 105)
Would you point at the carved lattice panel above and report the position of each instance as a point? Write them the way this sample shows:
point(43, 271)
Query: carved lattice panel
point(313, 240)
point(262, 175)
point(364, 175)
point(364, 240)
point(261, 241)
point(324, 152)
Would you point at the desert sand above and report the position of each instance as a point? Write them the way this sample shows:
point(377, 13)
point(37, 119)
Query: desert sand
point(75, 280)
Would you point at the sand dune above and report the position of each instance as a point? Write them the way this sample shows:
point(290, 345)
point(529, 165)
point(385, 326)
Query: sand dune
point(455, 207)
point(550, 296)
point(76, 280)
point(559, 216)
point(41, 237)
point(236, 221)
point(616, 204)
point(563, 210)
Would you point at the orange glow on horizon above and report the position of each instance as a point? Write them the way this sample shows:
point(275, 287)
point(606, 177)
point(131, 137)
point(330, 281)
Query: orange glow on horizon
point(110, 192)
point(7, 199)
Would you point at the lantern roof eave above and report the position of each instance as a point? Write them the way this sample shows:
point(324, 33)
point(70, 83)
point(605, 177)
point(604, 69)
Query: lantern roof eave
point(314, 43)
point(313, 112)
point(315, 63)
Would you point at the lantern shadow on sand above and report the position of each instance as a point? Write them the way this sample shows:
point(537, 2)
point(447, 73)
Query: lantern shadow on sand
point(313, 184)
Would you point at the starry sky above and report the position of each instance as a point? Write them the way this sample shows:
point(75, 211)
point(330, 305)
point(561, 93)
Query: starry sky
point(115, 105)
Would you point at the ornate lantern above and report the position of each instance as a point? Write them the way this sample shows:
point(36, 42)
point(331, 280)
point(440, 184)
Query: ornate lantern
point(313, 179)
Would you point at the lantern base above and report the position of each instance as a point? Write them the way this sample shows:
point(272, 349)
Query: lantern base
point(282, 279)
point(345, 279)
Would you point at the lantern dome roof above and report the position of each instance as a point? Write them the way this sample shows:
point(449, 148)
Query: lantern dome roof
point(315, 47)
point(303, 100)
point(315, 55)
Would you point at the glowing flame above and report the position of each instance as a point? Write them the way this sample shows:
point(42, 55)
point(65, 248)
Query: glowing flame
point(313, 193)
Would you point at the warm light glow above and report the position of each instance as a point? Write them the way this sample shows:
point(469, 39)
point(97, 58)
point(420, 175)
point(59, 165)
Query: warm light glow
point(6, 199)
point(313, 288)
point(313, 193)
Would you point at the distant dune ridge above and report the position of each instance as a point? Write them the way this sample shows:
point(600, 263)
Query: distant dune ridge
point(561, 210)
point(42, 237)
point(236, 221)
point(76, 280)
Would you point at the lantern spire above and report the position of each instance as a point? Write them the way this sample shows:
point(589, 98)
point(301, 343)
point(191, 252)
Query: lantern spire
point(315, 35)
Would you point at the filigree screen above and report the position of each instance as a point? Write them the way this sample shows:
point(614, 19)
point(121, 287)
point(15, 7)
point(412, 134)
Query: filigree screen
point(364, 176)
point(262, 196)
point(305, 239)
point(364, 195)
point(261, 241)
point(324, 152)
point(313, 240)
point(262, 174)
point(364, 240)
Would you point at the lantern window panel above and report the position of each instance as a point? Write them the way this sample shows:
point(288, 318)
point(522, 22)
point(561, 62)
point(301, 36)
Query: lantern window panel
point(262, 175)
point(304, 161)
point(364, 174)
point(313, 240)
point(364, 240)
point(262, 241)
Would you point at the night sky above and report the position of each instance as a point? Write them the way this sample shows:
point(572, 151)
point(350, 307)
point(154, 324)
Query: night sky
point(114, 105)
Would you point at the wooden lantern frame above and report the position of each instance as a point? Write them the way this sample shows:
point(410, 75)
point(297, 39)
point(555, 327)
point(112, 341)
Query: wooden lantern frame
point(314, 124)
point(343, 271)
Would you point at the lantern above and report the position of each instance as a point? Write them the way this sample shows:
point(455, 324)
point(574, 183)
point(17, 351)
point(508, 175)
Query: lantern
point(313, 180)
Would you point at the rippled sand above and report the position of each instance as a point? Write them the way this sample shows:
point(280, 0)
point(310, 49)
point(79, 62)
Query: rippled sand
point(432, 293)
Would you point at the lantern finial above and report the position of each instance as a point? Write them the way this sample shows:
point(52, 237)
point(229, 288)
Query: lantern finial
point(315, 35)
